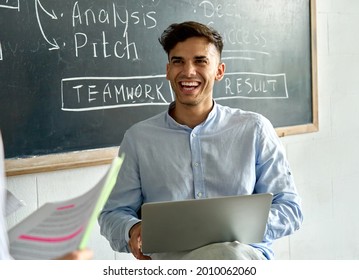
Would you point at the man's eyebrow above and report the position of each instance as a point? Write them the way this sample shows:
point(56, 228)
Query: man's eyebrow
point(200, 57)
point(196, 57)
point(175, 58)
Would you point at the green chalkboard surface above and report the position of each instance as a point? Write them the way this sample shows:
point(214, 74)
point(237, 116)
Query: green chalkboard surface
point(75, 75)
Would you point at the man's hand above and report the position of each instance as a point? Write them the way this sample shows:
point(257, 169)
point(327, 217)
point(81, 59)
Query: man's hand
point(84, 254)
point(135, 242)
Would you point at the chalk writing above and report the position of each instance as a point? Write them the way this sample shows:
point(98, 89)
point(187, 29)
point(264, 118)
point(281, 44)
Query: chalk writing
point(52, 42)
point(253, 86)
point(117, 18)
point(114, 16)
point(10, 4)
point(244, 37)
point(119, 49)
point(94, 93)
point(243, 54)
point(219, 10)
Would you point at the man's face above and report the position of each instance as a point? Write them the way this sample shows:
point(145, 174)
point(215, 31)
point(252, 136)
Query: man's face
point(194, 65)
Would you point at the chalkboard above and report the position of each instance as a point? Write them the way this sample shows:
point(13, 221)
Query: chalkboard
point(76, 74)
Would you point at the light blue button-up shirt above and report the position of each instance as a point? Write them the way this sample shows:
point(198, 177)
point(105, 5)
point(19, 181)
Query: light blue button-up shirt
point(233, 152)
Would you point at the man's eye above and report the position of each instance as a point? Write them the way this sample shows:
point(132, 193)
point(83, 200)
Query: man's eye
point(201, 61)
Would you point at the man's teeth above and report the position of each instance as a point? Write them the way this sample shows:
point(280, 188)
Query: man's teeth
point(189, 84)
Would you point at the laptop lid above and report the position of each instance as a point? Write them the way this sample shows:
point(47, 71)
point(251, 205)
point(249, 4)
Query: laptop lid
point(189, 224)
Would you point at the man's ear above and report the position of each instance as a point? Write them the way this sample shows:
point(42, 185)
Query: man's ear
point(220, 71)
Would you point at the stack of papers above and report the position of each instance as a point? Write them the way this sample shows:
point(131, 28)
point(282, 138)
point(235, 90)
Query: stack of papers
point(58, 228)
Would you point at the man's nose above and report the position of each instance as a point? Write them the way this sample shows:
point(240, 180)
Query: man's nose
point(189, 69)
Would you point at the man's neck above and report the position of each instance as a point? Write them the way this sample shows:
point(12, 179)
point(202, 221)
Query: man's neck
point(190, 115)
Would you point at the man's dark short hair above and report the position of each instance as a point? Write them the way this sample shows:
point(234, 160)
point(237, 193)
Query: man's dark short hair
point(179, 32)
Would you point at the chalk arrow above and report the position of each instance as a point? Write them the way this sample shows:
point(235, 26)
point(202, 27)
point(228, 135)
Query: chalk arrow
point(53, 44)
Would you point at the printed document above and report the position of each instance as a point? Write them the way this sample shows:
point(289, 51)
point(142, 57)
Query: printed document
point(58, 228)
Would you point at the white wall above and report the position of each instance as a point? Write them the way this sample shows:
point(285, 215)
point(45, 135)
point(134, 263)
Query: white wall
point(324, 163)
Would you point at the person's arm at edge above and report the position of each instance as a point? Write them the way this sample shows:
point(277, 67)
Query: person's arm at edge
point(275, 177)
point(119, 214)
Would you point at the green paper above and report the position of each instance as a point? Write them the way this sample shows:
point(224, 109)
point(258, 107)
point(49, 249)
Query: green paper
point(105, 193)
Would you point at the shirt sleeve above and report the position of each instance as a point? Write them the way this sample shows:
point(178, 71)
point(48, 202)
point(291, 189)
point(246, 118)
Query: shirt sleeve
point(120, 211)
point(273, 175)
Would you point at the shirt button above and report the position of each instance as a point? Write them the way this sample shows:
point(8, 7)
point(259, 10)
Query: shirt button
point(194, 135)
point(196, 164)
point(199, 194)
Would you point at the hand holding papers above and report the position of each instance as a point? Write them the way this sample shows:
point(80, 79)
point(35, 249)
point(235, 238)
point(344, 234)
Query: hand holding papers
point(61, 227)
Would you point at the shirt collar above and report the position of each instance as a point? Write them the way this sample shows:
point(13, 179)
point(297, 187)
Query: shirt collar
point(173, 124)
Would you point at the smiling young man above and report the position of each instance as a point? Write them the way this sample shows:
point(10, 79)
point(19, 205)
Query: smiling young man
point(197, 149)
point(194, 65)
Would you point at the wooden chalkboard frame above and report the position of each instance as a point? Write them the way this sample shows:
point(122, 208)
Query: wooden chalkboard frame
point(93, 157)
point(314, 126)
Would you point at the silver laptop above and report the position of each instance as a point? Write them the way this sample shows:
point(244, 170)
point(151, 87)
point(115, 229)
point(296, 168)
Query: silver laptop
point(189, 224)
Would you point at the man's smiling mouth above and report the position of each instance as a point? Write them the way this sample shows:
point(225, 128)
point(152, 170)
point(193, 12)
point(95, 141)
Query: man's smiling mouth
point(188, 86)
